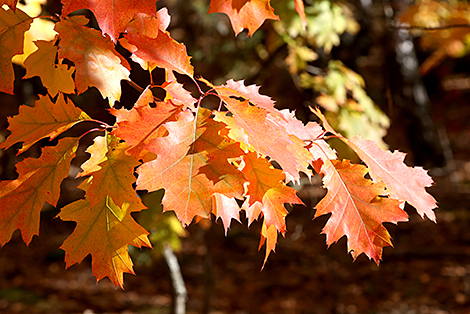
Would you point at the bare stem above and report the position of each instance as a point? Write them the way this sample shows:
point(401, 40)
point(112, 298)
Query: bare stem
point(181, 294)
point(430, 28)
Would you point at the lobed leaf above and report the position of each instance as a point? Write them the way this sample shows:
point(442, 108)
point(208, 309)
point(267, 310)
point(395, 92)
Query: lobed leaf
point(249, 14)
point(403, 182)
point(105, 231)
point(45, 119)
point(38, 182)
point(55, 77)
point(141, 124)
point(112, 172)
point(162, 51)
point(357, 209)
point(112, 16)
point(96, 60)
point(191, 166)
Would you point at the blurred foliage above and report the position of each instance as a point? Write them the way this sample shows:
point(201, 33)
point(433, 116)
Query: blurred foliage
point(348, 106)
point(336, 88)
point(164, 228)
point(448, 41)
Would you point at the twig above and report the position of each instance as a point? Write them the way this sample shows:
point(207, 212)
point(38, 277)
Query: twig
point(430, 28)
point(181, 294)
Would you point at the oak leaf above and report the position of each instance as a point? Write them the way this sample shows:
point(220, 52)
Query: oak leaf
point(149, 26)
point(162, 51)
point(103, 230)
point(357, 208)
point(249, 14)
point(112, 16)
point(112, 172)
point(55, 77)
point(186, 193)
point(13, 25)
point(403, 182)
point(225, 208)
point(266, 136)
point(45, 119)
point(190, 167)
point(267, 193)
point(38, 182)
point(141, 124)
point(96, 60)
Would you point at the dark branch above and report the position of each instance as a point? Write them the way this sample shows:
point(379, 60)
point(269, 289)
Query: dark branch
point(433, 28)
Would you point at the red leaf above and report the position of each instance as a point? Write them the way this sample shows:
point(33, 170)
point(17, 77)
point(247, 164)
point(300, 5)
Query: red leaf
point(103, 230)
point(190, 166)
point(140, 124)
point(97, 62)
point(249, 14)
point(299, 7)
point(403, 182)
point(357, 209)
point(267, 192)
point(251, 124)
point(45, 119)
point(112, 16)
point(163, 51)
point(39, 180)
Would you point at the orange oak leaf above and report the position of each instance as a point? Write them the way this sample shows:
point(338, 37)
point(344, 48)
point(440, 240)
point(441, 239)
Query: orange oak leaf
point(105, 231)
point(269, 237)
point(178, 94)
point(262, 127)
point(112, 16)
point(140, 124)
point(225, 208)
point(55, 77)
point(45, 119)
point(312, 134)
point(186, 193)
point(13, 25)
point(237, 89)
point(249, 14)
point(163, 51)
point(268, 137)
point(97, 62)
point(112, 172)
point(267, 192)
point(403, 182)
point(39, 180)
point(188, 167)
point(149, 26)
point(357, 209)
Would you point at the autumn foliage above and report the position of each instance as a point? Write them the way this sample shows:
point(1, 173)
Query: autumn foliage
point(242, 157)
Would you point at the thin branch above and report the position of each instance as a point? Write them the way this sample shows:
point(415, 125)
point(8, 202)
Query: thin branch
point(181, 294)
point(430, 28)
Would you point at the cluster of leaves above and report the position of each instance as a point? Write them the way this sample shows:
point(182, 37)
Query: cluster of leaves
point(242, 156)
point(337, 89)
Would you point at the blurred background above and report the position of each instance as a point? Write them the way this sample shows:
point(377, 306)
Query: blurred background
point(397, 72)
